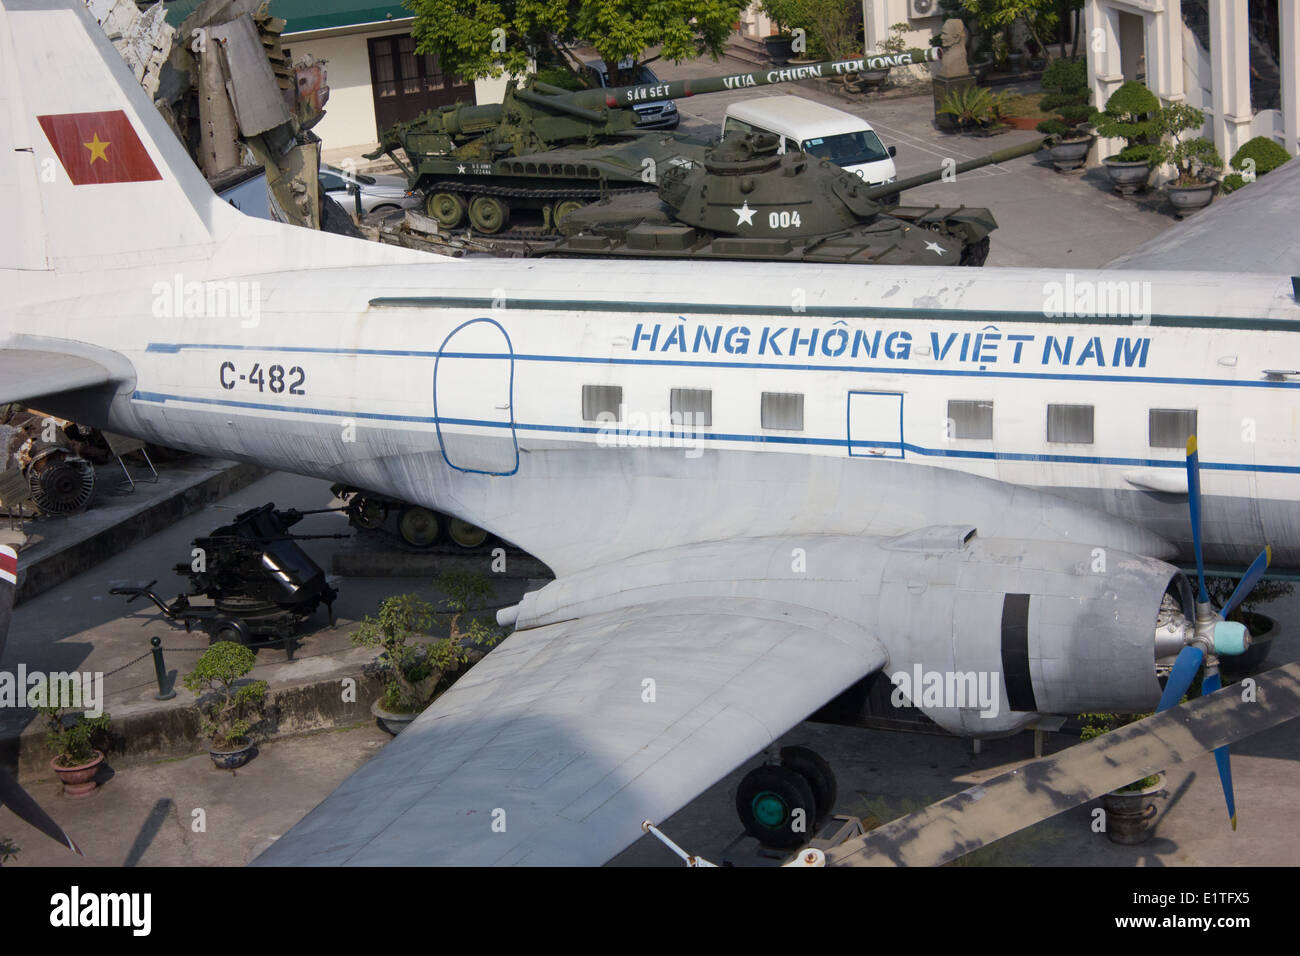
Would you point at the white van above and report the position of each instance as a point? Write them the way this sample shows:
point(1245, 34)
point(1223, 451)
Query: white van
point(818, 130)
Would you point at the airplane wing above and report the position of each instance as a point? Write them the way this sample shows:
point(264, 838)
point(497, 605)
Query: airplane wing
point(1250, 231)
point(31, 373)
point(556, 745)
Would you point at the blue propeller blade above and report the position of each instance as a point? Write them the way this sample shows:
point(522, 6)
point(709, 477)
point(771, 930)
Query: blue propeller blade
point(1248, 580)
point(1194, 505)
point(1209, 686)
point(1181, 676)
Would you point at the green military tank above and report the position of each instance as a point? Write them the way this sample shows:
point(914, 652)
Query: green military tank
point(746, 200)
point(545, 152)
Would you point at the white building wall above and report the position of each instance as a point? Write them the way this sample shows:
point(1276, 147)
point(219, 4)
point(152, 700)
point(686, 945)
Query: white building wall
point(350, 113)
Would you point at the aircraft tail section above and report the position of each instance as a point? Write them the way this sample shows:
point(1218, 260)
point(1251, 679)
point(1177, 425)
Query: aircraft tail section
point(91, 173)
point(93, 178)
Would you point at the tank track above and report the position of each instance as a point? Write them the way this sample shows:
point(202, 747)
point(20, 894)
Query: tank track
point(468, 190)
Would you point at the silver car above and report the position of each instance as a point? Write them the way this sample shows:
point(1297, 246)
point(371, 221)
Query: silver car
point(379, 192)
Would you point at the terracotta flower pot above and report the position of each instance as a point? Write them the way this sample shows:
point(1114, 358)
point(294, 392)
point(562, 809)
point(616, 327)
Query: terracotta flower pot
point(78, 781)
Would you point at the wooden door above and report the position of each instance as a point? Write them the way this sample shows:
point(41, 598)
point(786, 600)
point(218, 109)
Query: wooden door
point(406, 83)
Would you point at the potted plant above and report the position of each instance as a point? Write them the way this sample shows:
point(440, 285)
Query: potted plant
point(891, 44)
point(783, 13)
point(228, 709)
point(1263, 629)
point(975, 108)
point(413, 666)
point(72, 737)
point(1255, 158)
point(1131, 115)
point(1067, 84)
point(1195, 159)
point(1130, 810)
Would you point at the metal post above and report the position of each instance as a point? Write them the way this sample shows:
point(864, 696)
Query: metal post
point(160, 669)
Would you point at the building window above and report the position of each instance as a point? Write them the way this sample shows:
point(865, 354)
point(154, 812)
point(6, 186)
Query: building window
point(783, 410)
point(1171, 427)
point(692, 407)
point(971, 419)
point(1069, 423)
point(602, 403)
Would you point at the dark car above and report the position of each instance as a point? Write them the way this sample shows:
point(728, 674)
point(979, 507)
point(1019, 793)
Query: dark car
point(657, 114)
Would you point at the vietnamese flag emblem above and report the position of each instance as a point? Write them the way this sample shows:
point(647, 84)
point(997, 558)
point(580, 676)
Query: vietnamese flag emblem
point(98, 147)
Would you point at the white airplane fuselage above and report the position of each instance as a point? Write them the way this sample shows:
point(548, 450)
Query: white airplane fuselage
point(434, 382)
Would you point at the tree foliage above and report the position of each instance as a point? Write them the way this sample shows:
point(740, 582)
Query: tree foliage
point(1258, 156)
point(477, 38)
point(1131, 115)
point(230, 714)
point(1067, 84)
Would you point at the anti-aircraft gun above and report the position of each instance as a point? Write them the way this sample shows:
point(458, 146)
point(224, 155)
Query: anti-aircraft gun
point(550, 151)
point(745, 200)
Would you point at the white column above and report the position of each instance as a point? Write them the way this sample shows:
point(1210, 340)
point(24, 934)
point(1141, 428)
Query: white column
point(1290, 56)
point(875, 23)
point(1164, 48)
point(1105, 66)
point(1230, 70)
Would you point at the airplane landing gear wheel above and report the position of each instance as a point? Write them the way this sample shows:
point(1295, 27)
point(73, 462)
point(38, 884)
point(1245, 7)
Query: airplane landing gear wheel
point(465, 535)
point(776, 805)
point(821, 778)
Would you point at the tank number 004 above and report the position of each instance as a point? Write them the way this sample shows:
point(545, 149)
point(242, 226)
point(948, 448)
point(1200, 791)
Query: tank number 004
point(273, 378)
point(784, 219)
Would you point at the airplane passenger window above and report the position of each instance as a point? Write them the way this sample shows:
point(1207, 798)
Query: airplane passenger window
point(691, 406)
point(1069, 423)
point(971, 419)
point(600, 402)
point(1171, 427)
point(783, 410)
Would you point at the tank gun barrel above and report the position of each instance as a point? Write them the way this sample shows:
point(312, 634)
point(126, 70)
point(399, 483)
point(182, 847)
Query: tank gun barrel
point(625, 97)
point(1001, 156)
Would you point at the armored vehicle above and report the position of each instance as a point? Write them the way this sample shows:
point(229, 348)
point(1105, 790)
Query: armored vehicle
point(544, 152)
point(746, 200)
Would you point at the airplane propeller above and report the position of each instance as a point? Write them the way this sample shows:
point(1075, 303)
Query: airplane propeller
point(1211, 635)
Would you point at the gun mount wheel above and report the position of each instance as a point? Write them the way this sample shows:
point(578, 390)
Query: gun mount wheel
point(447, 208)
point(228, 629)
point(489, 214)
point(563, 209)
point(776, 806)
point(419, 527)
point(465, 535)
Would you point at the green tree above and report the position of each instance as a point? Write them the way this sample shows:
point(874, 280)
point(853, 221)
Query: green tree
point(476, 38)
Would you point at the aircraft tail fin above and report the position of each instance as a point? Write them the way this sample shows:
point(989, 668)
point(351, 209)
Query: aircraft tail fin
point(89, 171)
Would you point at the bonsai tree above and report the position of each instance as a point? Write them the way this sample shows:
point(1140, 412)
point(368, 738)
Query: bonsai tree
point(1256, 156)
point(227, 717)
point(894, 43)
point(1131, 115)
point(8, 850)
point(1067, 84)
point(412, 664)
point(72, 735)
point(1194, 158)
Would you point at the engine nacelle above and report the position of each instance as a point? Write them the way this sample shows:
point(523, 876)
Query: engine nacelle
point(1027, 627)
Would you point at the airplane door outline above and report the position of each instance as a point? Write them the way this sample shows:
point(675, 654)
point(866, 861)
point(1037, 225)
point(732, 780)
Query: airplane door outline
point(508, 354)
point(875, 424)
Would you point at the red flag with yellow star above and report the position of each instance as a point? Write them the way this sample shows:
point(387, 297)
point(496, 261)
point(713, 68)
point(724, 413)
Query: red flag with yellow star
point(98, 147)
